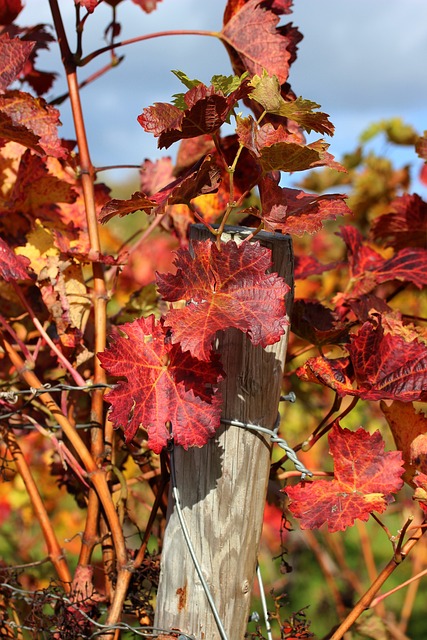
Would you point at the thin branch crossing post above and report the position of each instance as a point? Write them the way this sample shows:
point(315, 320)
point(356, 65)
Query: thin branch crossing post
point(223, 486)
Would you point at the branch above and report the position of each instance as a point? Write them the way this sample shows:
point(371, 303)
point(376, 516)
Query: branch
point(180, 32)
point(366, 600)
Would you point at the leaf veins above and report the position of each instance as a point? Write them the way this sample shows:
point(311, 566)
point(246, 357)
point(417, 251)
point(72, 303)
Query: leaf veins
point(222, 289)
point(364, 479)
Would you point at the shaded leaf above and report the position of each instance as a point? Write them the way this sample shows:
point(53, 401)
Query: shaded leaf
point(317, 324)
point(203, 178)
point(37, 116)
point(306, 266)
point(421, 146)
point(277, 150)
point(12, 267)
point(406, 226)
point(368, 268)
point(9, 10)
point(224, 288)
point(294, 211)
point(364, 479)
point(13, 55)
point(384, 365)
point(162, 385)
point(407, 425)
point(207, 110)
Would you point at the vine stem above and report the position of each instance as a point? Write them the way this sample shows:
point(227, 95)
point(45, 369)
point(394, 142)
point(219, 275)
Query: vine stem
point(96, 475)
point(98, 436)
point(56, 554)
point(62, 359)
point(158, 34)
point(366, 600)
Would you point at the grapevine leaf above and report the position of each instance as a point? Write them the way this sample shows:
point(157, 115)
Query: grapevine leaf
point(162, 386)
point(203, 178)
point(9, 10)
point(296, 212)
point(267, 92)
point(364, 479)
point(207, 110)
point(277, 150)
point(317, 324)
point(406, 226)
point(37, 116)
point(12, 267)
point(224, 288)
point(407, 425)
point(306, 266)
point(368, 268)
point(13, 55)
point(420, 493)
point(254, 42)
point(421, 146)
point(385, 365)
point(147, 5)
point(18, 133)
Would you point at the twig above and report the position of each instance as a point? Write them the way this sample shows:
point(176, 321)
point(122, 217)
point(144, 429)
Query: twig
point(366, 600)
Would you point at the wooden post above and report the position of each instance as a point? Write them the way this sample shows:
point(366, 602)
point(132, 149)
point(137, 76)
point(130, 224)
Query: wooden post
point(223, 485)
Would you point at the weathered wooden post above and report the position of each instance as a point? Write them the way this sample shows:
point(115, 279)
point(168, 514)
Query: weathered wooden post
point(223, 486)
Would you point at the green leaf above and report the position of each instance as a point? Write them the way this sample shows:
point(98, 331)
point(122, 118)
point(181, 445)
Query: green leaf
point(179, 98)
point(227, 84)
point(267, 92)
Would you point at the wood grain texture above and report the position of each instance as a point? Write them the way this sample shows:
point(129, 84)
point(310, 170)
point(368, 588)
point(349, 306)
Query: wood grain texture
point(223, 485)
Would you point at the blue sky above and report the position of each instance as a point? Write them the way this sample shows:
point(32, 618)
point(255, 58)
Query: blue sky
point(360, 60)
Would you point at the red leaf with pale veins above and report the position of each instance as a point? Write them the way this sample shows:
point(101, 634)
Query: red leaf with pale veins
point(18, 133)
point(163, 385)
point(13, 55)
point(277, 150)
point(227, 288)
point(207, 111)
point(406, 226)
point(386, 365)
point(294, 211)
point(12, 267)
point(250, 31)
point(364, 479)
point(203, 178)
point(38, 117)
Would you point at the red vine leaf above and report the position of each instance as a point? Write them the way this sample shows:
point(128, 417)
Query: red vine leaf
point(364, 479)
point(277, 150)
point(296, 212)
point(163, 385)
point(385, 365)
point(12, 267)
point(203, 178)
point(40, 118)
point(306, 266)
point(317, 324)
point(407, 426)
point(406, 226)
point(227, 288)
point(207, 110)
point(9, 10)
point(368, 268)
point(253, 40)
point(13, 55)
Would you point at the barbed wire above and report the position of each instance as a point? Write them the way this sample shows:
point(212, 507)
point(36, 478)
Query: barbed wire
point(141, 631)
